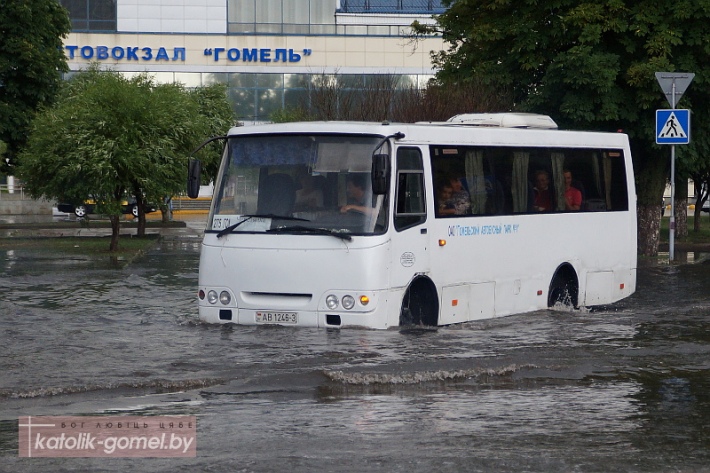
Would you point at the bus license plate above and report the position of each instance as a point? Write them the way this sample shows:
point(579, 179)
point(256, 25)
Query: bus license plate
point(277, 317)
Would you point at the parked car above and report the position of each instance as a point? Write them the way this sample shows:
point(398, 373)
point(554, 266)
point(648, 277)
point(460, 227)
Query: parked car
point(87, 207)
point(706, 206)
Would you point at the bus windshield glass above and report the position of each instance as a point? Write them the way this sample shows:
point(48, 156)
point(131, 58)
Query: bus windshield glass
point(298, 184)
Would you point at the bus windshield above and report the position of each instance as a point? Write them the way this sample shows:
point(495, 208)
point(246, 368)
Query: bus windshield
point(298, 184)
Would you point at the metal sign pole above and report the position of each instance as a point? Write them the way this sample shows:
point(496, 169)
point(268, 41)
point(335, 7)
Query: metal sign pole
point(672, 84)
point(671, 223)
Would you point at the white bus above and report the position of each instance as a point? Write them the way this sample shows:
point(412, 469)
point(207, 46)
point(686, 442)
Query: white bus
point(333, 224)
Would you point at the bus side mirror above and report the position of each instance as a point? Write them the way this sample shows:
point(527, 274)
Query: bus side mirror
point(193, 178)
point(380, 173)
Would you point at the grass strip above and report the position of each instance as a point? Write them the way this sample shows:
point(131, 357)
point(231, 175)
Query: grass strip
point(99, 245)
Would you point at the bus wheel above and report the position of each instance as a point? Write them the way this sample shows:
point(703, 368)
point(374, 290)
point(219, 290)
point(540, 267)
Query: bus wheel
point(420, 305)
point(564, 288)
point(80, 211)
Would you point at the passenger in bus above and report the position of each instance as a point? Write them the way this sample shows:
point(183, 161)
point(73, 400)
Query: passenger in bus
point(542, 192)
point(573, 196)
point(357, 195)
point(308, 197)
point(460, 198)
point(445, 203)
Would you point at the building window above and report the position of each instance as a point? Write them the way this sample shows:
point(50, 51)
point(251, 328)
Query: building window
point(319, 17)
point(431, 7)
point(277, 16)
point(91, 15)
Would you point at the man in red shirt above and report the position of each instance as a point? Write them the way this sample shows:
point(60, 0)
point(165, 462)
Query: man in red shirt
point(543, 194)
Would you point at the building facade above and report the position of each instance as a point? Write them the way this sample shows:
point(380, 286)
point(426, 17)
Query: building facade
point(267, 52)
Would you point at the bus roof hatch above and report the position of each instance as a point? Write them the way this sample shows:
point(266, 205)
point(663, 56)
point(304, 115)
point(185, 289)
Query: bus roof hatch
point(504, 120)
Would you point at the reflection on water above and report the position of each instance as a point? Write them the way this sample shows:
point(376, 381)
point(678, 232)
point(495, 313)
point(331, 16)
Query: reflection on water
point(618, 388)
point(682, 257)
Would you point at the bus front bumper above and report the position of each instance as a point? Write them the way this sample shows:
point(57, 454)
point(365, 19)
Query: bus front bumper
point(329, 319)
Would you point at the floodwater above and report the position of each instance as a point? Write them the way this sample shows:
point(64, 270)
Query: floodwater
point(624, 388)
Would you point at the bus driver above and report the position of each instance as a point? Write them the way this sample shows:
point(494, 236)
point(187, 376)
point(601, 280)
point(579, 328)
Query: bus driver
point(357, 195)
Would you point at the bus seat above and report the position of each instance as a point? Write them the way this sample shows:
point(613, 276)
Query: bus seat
point(277, 194)
point(595, 205)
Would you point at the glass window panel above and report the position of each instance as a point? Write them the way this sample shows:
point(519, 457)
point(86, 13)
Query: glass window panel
point(407, 81)
point(102, 10)
point(381, 80)
point(296, 29)
point(102, 26)
point(241, 11)
point(268, 11)
point(322, 29)
point(295, 98)
point(189, 79)
point(269, 101)
point(357, 30)
point(242, 101)
point(242, 28)
point(164, 77)
point(378, 30)
point(424, 80)
point(130, 75)
point(215, 78)
point(79, 25)
point(269, 80)
point(296, 12)
point(275, 28)
point(352, 81)
point(321, 13)
point(101, 14)
point(297, 80)
point(78, 9)
point(237, 79)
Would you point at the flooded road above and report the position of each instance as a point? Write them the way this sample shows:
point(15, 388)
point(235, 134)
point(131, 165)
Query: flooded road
point(623, 388)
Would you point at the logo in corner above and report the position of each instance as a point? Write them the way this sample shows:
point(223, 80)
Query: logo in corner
point(407, 259)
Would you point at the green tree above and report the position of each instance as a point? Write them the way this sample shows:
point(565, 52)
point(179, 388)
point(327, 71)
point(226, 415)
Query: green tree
point(590, 65)
point(219, 118)
point(31, 63)
point(109, 136)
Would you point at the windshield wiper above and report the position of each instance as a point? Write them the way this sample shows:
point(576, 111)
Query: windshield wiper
point(231, 228)
point(315, 231)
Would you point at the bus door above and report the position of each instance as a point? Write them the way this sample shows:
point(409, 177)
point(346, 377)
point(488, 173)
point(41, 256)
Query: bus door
point(410, 241)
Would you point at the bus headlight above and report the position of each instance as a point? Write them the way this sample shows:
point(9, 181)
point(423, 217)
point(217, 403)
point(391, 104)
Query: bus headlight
point(225, 298)
point(212, 297)
point(348, 302)
point(332, 301)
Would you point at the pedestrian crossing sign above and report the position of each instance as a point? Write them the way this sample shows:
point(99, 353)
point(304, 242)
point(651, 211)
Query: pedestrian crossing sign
point(673, 127)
